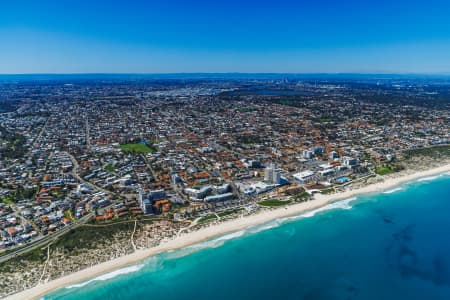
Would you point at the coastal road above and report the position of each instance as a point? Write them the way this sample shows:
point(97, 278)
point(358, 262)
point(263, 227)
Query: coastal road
point(44, 240)
point(40, 242)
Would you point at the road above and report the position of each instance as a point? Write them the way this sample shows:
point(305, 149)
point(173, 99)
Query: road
point(88, 136)
point(80, 179)
point(42, 131)
point(42, 241)
point(149, 166)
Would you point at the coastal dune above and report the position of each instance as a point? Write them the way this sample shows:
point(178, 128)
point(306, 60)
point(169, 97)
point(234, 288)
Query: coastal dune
point(388, 185)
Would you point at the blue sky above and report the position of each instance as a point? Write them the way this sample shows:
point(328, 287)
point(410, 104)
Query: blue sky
point(99, 36)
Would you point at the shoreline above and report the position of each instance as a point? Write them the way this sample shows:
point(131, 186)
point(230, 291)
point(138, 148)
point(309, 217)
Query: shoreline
point(210, 232)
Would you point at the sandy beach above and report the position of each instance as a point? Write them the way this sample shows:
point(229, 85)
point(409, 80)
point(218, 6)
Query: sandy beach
point(220, 229)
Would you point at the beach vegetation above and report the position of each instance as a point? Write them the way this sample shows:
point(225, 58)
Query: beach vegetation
point(327, 191)
point(38, 255)
point(274, 202)
point(302, 197)
point(434, 152)
point(229, 212)
point(87, 237)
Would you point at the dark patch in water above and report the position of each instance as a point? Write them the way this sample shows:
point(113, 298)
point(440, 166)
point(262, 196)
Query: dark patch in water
point(438, 274)
point(342, 288)
point(352, 291)
point(314, 294)
point(388, 220)
point(405, 235)
point(441, 270)
point(401, 256)
point(407, 261)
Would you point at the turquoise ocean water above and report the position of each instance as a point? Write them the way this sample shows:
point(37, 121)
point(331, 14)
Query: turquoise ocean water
point(391, 245)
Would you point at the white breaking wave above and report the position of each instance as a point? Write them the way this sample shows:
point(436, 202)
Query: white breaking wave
point(214, 243)
point(344, 204)
point(108, 276)
point(428, 178)
point(393, 190)
point(265, 226)
point(217, 242)
point(220, 240)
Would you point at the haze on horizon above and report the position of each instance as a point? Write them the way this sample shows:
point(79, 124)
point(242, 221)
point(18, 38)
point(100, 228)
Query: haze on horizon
point(174, 36)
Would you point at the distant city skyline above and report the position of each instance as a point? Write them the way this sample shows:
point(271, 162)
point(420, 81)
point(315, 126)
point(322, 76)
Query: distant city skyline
point(173, 36)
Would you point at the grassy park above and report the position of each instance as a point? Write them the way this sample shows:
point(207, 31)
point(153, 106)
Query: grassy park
point(139, 148)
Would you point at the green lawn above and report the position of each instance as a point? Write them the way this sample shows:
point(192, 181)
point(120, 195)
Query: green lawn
point(68, 215)
point(7, 200)
point(137, 148)
point(110, 168)
point(207, 218)
point(325, 119)
point(385, 170)
point(273, 202)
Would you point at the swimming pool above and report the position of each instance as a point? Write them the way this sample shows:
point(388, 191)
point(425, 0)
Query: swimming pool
point(342, 179)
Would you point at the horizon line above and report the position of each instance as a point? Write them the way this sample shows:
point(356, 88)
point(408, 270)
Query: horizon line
point(263, 73)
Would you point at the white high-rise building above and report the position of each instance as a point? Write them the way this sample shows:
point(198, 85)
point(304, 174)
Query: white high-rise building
point(271, 175)
point(308, 154)
point(268, 173)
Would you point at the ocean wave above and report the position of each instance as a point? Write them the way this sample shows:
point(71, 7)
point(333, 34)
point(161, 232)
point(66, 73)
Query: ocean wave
point(214, 243)
point(393, 190)
point(343, 204)
point(428, 178)
point(217, 242)
point(266, 226)
point(108, 276)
